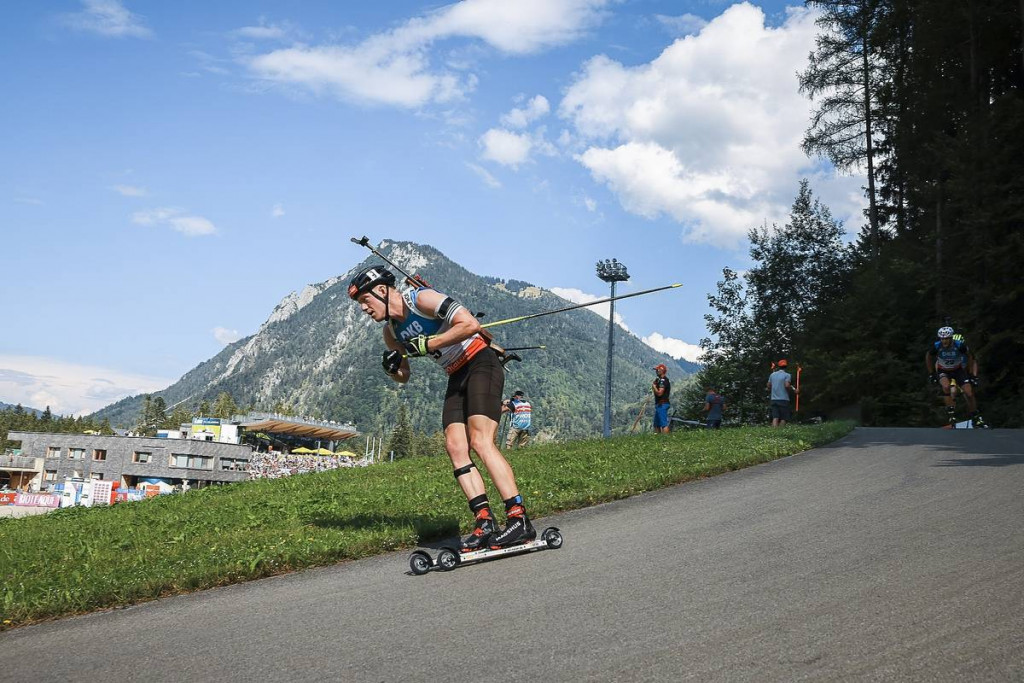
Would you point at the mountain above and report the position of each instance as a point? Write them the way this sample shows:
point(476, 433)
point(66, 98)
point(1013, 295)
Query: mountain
point(320, 355)
point(11, 406)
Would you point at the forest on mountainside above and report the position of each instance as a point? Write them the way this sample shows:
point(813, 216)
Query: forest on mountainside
point(927, 98)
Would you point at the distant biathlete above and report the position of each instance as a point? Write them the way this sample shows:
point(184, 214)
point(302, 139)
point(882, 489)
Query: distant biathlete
point(421, 321)
point(521, 417)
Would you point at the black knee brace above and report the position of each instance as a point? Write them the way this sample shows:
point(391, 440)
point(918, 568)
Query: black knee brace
point(463, 470)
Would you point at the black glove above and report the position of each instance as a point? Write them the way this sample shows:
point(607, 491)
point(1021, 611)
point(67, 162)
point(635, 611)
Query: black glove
point(973, 379)
point(934, 377)
point(417, 346)
point(391, 360)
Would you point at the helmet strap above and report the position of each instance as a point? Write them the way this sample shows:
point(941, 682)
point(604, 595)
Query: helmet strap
point(386, 299)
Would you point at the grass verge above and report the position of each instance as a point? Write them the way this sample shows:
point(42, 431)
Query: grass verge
point(82, 559)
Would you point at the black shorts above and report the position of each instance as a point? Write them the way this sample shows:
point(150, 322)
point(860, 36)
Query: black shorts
point(959, 375)
point(780, 410)
point(475, 389)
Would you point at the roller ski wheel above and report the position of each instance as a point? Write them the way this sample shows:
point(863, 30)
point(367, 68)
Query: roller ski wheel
point(420, 562)
point(448, 558)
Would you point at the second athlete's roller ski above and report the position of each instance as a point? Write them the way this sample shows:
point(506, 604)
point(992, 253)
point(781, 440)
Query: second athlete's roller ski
point(420, 561)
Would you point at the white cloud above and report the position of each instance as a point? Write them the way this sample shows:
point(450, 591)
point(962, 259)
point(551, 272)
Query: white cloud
point(709, 132)
point(176, 220)
point(107, 18)
point(277, 211)
point(226, 336)
point(33, 201)
point(68, 388)
point(682, 25)
point(263, 31)
point(676, 348)
point(520, 117)
point(130, 191)
point(590, 204)
point(578, 296)
point(505, 147)
point(395, 67)
point(488, 179)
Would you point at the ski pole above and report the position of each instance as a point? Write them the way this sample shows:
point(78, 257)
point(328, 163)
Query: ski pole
point(639, 415)
point(417, 281)
point(575, 306)
point(524, 348)
point(798, 370)
point(413, 280)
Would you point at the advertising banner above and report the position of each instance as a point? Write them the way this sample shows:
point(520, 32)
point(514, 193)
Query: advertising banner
point(69, 496)
point(152, 490)
point(44, 500)
point(8, 497)
point(85, 498)
point(101, 492)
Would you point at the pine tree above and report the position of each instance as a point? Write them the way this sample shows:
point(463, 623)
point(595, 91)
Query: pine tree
point(225, 406)
point(843, 74)
point(401, 441)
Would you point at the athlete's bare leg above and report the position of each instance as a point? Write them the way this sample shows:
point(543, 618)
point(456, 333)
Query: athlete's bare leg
point(456, 442)
point(481, 439)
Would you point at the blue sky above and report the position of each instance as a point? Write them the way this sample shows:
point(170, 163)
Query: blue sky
point(170, 171)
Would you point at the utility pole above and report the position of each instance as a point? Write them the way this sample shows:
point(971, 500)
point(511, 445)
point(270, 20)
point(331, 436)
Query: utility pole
point(611, 272)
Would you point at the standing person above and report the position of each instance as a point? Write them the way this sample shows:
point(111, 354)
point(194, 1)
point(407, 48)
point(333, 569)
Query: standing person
point(662, 388)
point(780, 383)
point(714, 404)
point(421, 321)
point(521, 417)
point(948, 359)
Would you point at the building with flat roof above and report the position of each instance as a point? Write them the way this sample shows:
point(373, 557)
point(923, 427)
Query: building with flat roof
point(47, 459)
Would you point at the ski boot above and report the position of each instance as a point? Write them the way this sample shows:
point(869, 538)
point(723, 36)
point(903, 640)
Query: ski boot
point(518, 529)
point(482, 532)
point(979, 421)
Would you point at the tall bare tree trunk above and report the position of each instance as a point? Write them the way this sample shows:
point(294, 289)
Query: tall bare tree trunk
point(869, 145)
point(939, 277)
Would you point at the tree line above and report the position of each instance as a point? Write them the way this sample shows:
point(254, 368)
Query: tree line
point(926, 98)
point(17, 419)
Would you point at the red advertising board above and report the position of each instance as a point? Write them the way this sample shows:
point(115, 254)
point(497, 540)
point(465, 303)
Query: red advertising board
point(8, 497)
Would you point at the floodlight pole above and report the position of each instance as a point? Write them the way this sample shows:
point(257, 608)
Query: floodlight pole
point(611, 272)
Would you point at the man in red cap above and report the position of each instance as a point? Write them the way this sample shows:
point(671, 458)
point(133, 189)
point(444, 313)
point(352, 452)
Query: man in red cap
point(662, 390)
point(780, 383)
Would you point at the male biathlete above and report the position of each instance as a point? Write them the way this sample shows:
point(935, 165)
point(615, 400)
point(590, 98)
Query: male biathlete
point(421, 321)
point(949, 359)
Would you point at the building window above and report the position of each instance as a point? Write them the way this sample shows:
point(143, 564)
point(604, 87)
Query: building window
point(194, 462)
point(232, 464)
point(53, 451)
point(96, 476)
point(50, 475)
point(99, 454)
point(141, 456)
point(76, 453)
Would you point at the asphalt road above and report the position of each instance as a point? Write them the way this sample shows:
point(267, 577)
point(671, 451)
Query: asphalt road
point(889, 555)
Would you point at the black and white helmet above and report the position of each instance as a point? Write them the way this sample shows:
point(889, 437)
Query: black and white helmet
point(945, 332)
point(368, 278)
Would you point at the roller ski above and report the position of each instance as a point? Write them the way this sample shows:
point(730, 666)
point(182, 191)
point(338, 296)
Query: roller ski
point(447, 559)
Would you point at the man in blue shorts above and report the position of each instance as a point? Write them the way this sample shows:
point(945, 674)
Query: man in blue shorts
point(662, 388)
